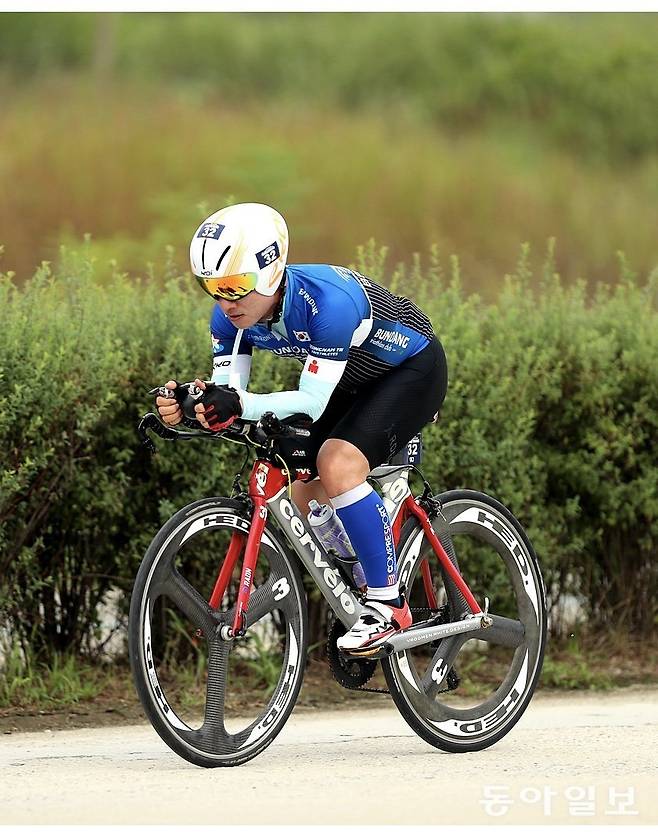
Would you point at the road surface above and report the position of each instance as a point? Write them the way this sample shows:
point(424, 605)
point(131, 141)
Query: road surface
point(572, 759)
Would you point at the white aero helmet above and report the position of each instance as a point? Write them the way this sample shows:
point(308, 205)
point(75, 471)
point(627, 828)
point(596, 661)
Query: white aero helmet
point(239, 249)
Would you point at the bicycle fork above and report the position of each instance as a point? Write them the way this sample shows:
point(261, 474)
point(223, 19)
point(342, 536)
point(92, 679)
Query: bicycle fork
point(265, 482)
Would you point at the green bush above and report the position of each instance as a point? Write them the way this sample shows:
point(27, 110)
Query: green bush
point(79, 500)
point(552, 407)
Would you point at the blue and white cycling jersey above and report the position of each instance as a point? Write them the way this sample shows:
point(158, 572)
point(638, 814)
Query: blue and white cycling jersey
point(344, 328)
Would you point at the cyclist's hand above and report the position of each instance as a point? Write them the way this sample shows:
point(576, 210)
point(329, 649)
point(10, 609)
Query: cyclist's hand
point(169, 409)
point(219, 408)
point(199, 409)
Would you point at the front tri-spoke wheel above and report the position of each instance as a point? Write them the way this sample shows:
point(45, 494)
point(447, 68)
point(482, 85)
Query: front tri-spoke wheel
point(216, 701)
point(466, 691)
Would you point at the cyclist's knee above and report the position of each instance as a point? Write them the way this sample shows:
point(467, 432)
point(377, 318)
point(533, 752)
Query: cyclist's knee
point(341, 466)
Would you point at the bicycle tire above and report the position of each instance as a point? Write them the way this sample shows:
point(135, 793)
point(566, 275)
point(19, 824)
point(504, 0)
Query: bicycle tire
point(212, 745)
point(421, 704)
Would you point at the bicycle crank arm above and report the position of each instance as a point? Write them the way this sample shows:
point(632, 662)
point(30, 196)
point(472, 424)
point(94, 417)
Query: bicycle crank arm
point(419, 635)
point(423, 633)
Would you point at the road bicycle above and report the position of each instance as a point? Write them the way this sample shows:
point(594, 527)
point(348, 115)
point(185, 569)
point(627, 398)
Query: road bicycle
point(220, 594)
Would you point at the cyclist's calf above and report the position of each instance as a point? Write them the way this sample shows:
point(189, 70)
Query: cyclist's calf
point(302, 492)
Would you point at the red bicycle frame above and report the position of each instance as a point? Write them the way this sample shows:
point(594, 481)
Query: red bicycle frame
point(412, 508)
point(266, 482)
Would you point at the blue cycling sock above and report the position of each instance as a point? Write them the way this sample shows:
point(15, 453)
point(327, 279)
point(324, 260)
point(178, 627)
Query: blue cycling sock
point(364, 516)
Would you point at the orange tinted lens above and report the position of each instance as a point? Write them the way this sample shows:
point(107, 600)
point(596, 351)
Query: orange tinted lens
point(230, 287)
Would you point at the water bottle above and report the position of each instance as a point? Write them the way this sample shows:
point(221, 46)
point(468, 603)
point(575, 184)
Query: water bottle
point(331, 533)
point(329, 530)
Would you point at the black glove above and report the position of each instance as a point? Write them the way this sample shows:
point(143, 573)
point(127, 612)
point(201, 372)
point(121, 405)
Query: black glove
point(222, 406)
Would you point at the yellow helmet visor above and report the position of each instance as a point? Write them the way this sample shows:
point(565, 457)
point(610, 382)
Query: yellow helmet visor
point(229, 287)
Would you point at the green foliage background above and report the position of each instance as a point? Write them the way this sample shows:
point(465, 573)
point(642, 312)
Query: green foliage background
point(588, 80)
point(552, 408)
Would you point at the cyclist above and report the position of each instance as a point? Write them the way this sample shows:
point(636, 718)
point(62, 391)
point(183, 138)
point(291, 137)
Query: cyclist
point(374, 374)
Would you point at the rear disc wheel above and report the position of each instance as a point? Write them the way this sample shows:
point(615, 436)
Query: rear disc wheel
point(498, 667)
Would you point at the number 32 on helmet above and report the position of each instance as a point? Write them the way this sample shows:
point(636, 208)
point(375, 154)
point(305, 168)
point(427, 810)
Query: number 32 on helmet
point(240, 249)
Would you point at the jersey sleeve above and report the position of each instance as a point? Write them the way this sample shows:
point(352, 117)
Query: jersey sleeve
point(332, 332)
point(222, 336)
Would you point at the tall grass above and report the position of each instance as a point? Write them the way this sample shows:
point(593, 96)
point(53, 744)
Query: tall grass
point(62, 681)
point(138, 169)
point(587, 82)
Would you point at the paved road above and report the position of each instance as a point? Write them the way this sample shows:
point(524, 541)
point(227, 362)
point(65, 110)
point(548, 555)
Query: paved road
point(353, 766)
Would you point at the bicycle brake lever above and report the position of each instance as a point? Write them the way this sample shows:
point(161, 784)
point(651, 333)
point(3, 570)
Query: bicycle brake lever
point(144, 438)
point(163, 392)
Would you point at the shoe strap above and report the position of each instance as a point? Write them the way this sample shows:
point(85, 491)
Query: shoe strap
point(383, 609)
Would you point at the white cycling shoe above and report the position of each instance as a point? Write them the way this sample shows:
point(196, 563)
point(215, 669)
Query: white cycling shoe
point(377, 622)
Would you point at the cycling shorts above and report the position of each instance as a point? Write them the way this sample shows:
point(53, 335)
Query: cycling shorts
point(380, 417)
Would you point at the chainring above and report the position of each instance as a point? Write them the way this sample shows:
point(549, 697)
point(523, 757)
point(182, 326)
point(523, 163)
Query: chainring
point(350, 673)
point(354, 673)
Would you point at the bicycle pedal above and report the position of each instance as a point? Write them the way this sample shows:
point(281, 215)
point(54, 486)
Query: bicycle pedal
point(370, 654)
point(380, 652)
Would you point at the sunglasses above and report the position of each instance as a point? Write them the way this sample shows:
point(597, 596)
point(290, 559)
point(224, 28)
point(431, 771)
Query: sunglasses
point(229, 287)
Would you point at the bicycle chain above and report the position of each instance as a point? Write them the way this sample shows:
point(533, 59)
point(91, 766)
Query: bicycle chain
point(454, 680)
